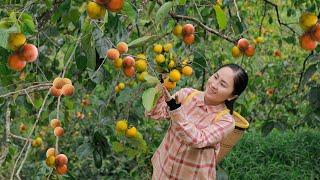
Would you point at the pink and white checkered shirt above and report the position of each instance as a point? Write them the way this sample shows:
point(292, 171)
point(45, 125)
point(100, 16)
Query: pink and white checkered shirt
point(191, 144)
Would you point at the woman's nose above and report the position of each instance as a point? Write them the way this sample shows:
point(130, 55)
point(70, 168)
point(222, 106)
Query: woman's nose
point(214, 84)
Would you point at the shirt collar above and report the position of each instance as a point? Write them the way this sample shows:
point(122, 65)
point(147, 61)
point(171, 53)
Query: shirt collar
point(209, 108)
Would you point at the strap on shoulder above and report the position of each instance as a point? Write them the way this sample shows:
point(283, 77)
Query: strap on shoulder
point(189, 97)
point(220, 114)
point(195, 92)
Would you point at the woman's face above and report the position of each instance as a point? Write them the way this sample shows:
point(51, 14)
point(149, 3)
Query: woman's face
point(220, 87)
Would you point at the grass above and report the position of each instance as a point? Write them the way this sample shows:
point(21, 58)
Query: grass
point(280, 155)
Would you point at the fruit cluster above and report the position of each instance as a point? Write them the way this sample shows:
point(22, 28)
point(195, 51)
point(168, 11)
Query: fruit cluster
point(141, 66)
point(59, 161)
point(23, 53)
point(243, 47)
point(58, 130)
point(164, 58)
point(62, 86)
point(97, 9)
point(80, 115)
point(311, 36)
point(127, 62)
point(119, 87)
point(187, 31)
point(37, 142)
point(122, 127)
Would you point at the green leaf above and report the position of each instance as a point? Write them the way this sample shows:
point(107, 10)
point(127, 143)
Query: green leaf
point(97, 159)
point(69, 103)
point(27, 23)
point(83, 150)
point(290, 39)
point(38, 102)
point(70, 49)
point(3, 38)
point(4, 34)
point(131, 153)
point(148, 97)
point(182, 2)
point(314, 97)
point(221, 17)
point(163, 12)
point(140, 41)
point(88, 46)
point(129, 11)
point(151, 80)
point(308, 73)
point(117, 147)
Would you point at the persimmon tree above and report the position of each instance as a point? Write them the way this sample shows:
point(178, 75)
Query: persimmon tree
point(77, 76)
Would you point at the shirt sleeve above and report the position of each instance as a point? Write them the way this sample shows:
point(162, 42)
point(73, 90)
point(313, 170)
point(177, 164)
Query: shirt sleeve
point(160, 111)
point(200, 138)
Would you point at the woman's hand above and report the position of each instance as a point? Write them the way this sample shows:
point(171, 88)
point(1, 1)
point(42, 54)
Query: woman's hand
point(165, 91)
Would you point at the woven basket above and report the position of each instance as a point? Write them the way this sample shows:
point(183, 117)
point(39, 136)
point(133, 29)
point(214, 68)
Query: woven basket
point(231, 139)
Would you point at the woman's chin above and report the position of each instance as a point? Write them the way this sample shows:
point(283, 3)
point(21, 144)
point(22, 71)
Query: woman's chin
point(209, 97)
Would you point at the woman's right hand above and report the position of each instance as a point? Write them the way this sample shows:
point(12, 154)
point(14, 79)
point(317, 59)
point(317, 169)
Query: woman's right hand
point(164, 91)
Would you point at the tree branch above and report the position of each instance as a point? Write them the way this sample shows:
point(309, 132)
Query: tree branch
point(201, 24)
point(278, 16)
point(4, 145)
point(44, 17)
point(280, 100)
point(28, 142)
point(264, 15)
point(29, 89)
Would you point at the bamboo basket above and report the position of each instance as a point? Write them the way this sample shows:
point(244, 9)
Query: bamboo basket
point(227, 143)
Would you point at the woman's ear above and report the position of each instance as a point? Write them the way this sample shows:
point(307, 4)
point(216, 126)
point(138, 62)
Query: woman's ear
point(233, 97)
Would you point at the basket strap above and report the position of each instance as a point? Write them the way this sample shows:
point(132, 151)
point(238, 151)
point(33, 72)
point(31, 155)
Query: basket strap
point(189, 97)
point(220, 114)
point(195, 92)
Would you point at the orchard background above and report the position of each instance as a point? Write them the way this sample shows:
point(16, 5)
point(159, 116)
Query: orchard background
point(103, 96)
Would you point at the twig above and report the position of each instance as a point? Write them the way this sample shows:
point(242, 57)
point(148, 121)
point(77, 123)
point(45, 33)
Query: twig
point(58, 108)
point(27, 141)
point(132, 100)
point(71, 57)
point(29, 97)
point(294, 91)
point(43, 18)
point(95, 72)
point(18, 137)
point(278, 16)
point(201, 24)
point(4, 145)
point(195, 4)
point(37, 87)
point(237, 10)
point(264, 15)
point(54, 43)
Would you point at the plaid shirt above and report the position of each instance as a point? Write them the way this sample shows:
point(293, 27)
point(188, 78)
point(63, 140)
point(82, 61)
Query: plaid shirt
point(191, 144)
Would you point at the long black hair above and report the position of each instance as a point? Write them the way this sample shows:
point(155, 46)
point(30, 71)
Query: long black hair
point(240, 83)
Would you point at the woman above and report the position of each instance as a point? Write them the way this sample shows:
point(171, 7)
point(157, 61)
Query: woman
point(192, 142)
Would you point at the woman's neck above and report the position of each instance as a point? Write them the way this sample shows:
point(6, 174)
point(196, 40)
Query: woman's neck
point(211, 102)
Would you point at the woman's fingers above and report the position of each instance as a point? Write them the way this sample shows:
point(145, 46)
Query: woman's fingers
point(161, 88)
point(166, 93)
point(177, 99)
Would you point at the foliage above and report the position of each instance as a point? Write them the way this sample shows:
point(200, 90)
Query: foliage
point(283, 91)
